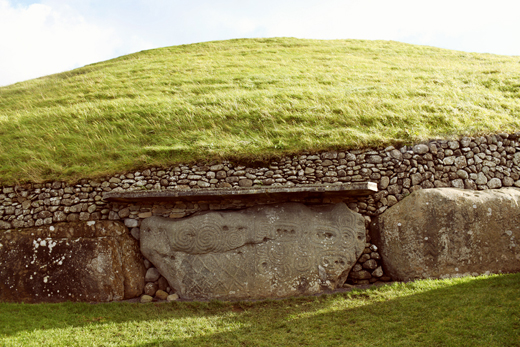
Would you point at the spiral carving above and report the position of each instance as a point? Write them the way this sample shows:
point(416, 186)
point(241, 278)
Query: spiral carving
point(184, 239)
point(302, 261)
point(207, 239)
point(234, 238)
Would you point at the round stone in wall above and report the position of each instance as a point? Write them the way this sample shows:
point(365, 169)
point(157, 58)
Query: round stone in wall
point(131, 223)
point(420, 149)
point(152, 275)
point(494, 183)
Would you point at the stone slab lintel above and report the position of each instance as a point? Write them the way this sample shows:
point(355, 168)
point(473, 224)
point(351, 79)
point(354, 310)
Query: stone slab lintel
point(306, 191)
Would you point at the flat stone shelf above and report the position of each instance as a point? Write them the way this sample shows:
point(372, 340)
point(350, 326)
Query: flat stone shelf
point(301, 191)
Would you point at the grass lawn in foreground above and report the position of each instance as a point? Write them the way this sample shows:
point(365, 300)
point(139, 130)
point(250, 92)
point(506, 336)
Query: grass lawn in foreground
point(248, 98)
point(470, 311)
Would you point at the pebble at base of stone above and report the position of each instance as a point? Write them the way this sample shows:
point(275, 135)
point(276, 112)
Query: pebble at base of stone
point(172, 297)
point(161, 295)
point(146, 298)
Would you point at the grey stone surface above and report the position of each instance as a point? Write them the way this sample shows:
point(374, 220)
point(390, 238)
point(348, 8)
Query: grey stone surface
point(420, 149)
point(152, 275)
point(445, 232)
point(264, 251)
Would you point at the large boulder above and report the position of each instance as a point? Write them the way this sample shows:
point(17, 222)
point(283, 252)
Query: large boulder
point(263, 251)
point(446, 232)
point(83, 261)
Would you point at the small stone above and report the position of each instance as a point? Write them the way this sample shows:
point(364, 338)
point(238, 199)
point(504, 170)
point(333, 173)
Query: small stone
point(59, 216)
point(462, 174)
point(465, 141)
point(124, 213)
point(218, 167)
point(161, 295)
point(364, 258)
point(453, 144)
point(135, 233)
point(481, 179)
point(245, 183)
point(383, 184)
point(357, 267)
point(374, 159)
point(176, 215)
point(494, 183)
point(375, 255)
point(5, 225)
point(360, 275)
point(458, 183)
point(144, 215)
point(152, 275)
point(370, 264)
point(395, 154)
point(460, 162)
point(449, 160)
point(172, 297)
point(329, 155)
point(203, 184)
point(146, 298)
point(131, 223)
point(373, 248)
point(150, 288)
point(84, 216)
point(326, 162)
point(420, 149)
point(378, 272)
point(508, 181)
point(113, 215)
point(386, 278)
point(391, 200)
point(162, 283)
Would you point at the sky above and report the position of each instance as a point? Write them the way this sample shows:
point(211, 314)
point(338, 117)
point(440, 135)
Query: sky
point(38, 38)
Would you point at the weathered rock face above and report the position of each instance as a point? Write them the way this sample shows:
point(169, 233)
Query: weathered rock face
point(263, 251)
point(83, 261)
point(444, 232)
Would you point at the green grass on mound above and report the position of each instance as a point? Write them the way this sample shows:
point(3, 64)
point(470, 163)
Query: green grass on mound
point(250, 98)
point(481, 311)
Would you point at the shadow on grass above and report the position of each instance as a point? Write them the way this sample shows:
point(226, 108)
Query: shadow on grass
point(483, 311)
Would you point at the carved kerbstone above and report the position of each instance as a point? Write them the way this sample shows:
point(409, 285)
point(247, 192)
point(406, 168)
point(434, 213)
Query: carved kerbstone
point(264, 251)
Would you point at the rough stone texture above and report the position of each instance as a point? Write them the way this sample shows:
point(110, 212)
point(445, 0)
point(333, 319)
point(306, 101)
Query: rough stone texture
point(263, 251)
point(161, 295)
point(172, 297)
point(83, 261)
point(444, 232)
point(146, 299)
point(152, 275)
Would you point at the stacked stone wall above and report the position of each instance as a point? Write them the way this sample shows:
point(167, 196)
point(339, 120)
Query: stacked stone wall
point(477, 163)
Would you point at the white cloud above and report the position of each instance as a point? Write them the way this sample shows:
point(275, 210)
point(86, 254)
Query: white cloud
point(39, 40)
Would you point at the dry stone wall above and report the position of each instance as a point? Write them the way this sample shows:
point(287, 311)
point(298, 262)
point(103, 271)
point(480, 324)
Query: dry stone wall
point(477, 163)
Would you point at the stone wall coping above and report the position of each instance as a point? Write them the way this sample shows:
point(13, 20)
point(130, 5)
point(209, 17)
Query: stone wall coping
point(321, 190)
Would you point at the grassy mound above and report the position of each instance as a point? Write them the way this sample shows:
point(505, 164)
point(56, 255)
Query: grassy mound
point(248, 98)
